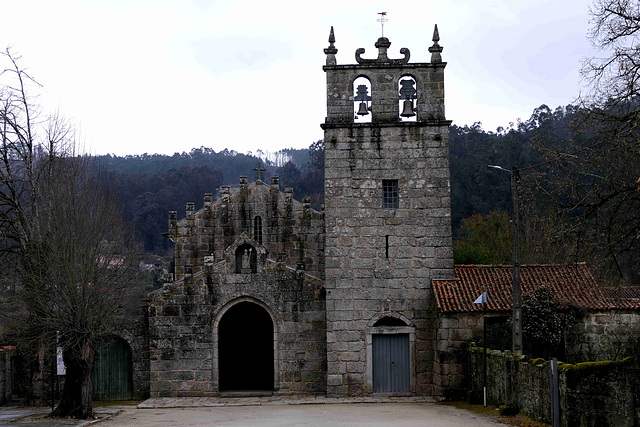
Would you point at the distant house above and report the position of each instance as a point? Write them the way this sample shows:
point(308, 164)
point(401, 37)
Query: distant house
point(611, 314)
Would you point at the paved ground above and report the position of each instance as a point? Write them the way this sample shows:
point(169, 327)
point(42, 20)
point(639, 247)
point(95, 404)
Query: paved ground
point(334, 415)
point(19, 417)
point(274, 411)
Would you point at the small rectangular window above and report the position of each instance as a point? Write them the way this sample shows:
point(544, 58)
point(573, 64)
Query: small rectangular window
point(390, 194)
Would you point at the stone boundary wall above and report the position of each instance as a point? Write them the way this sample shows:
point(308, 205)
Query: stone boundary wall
point(455, 332)
point(602, 336)
point(591, 393)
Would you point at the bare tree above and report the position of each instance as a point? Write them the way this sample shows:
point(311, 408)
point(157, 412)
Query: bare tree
point(74, 255)
point(75, 276)
point(593, 180)
point(614, 76)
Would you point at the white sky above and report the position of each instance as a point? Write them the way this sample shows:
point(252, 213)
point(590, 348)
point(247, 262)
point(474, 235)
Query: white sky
point(143, 76)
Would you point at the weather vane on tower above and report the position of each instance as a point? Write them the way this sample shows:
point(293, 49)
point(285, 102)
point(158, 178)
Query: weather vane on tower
point(382, 20)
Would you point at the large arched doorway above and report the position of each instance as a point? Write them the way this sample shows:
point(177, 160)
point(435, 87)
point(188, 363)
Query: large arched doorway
point(245, 348)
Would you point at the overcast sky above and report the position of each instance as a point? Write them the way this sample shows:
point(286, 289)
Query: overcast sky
point(153, 76)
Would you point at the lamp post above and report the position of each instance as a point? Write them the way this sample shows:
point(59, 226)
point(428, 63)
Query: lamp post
point(517, 290)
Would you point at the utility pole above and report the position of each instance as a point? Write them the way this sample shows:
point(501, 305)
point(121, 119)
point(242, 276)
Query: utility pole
point(517, 289)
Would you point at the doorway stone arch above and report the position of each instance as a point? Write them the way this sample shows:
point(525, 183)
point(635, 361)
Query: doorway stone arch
point(395, 333)
point(245, 347)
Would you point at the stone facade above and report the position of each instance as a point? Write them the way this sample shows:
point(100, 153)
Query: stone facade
point(286, 228)
point(380, 259)
point(271, 295)
point(247, 275)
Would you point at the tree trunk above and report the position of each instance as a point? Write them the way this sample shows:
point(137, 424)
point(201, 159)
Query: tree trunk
point(37, 375)
point(76, 400)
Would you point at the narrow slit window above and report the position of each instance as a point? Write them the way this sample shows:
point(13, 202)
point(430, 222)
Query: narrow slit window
point(390, 194)
point(387, 246)
point(257, 229)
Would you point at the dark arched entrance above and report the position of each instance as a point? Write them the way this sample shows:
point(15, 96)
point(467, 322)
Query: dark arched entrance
point(245, 348)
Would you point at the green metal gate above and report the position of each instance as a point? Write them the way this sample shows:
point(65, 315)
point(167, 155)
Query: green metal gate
point(112, 379)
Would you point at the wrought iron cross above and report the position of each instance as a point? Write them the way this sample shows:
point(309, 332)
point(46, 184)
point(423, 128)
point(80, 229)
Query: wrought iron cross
point(259, 169)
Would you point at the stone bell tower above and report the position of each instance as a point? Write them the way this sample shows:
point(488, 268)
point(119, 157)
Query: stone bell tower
point(387, 218)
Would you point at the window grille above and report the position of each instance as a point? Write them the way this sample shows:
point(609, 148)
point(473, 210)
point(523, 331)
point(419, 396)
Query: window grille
point(390, 194)
point(257, 229)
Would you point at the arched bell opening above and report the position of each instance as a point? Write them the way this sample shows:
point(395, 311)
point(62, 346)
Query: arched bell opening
point(362, 100)
point(246, 349)
point(407, 98)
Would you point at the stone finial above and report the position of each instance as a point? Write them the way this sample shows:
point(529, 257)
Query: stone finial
point(188, 273)
point(208, 262)
point(226, 190)
point(190, 210)
point(331, 50)
point(243, 181)
point(436, 49)
point(173, 219)
point(208, 200)
point(275, 182)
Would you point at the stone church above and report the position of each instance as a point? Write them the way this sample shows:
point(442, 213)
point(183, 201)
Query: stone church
point(273, 296)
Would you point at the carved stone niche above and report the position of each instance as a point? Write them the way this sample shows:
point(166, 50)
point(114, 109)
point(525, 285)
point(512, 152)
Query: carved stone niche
point(245, 256)
point(246, 259)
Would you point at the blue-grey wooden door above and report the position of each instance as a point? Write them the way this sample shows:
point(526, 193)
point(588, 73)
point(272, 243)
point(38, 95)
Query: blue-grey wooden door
point(112, 379)
point(391, 363)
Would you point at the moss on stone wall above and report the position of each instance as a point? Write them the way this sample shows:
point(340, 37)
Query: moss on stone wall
point(602, 393)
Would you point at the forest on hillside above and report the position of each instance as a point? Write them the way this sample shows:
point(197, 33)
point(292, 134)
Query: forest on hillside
point(149, 186)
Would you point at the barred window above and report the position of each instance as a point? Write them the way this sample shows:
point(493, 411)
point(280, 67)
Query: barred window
point(257, 229)
point(390, 194)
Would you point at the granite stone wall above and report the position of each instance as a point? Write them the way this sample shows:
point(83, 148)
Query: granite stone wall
point(455, 332)
point(291, 231)
point(602, 336)
point(591, 393)
point(380, 262)
point(184, 318)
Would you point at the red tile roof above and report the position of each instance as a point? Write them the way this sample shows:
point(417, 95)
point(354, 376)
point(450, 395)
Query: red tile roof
point(573, 284)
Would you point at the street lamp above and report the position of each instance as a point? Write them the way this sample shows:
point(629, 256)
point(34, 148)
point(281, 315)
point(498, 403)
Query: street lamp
point(517, 289)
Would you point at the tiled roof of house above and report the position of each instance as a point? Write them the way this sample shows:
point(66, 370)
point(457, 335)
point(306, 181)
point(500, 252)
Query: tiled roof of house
point(573, 284)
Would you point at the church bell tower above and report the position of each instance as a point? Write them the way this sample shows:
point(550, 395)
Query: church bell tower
point(387, 219)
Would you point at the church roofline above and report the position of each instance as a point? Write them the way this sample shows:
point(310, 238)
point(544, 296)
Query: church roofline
point(200, 273)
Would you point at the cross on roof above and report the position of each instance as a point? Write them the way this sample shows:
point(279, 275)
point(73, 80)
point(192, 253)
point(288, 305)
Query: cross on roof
point(259, 169)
